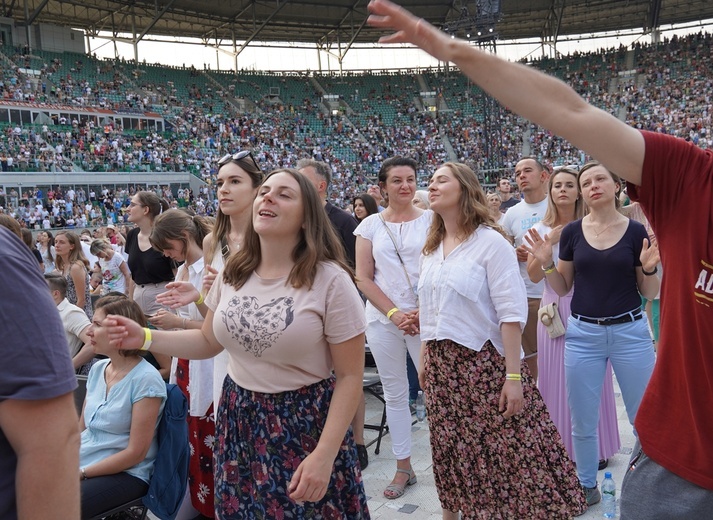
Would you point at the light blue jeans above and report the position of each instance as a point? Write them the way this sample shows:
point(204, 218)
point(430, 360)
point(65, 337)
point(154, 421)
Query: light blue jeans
point(588, 346)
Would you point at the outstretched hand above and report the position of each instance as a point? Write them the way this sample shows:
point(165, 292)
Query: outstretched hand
point(407, 28)
point(539, 247)
point(178, 295)
point(649, 256)
point(124, 333)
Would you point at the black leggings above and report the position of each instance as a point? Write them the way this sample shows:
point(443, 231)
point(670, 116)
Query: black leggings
point(102, 494)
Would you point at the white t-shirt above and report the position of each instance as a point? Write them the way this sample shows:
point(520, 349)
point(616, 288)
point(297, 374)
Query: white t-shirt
point(200, 371)
point(113, 278)
point(74, 321)
point(389, 274)
point(277, 336)
point(518, 220)
point(467, 296)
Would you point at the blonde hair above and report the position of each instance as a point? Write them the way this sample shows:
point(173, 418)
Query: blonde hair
point(552, 213)
point(473, 209)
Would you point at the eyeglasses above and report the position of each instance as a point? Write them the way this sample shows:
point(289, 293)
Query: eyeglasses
point(134, 204)
point(236, 157)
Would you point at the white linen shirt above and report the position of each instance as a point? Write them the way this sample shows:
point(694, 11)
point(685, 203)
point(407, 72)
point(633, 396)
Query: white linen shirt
point(200, 371)
point(468, 295)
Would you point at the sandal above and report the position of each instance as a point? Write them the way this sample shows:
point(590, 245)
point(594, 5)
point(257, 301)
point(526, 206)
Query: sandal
point(363, 456)
point(398, 491)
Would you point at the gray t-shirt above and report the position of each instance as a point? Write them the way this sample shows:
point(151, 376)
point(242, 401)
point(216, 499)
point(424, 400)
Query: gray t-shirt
point(35, 357)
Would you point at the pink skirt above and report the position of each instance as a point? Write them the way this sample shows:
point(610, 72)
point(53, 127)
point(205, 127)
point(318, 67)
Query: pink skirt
point(551, 383)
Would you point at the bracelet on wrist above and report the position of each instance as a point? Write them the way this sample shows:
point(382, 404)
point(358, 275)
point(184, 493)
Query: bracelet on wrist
point(550, 268)
point(147, 339)
point(513, 377)
point(84, 473)
point(650, 273)
point(200, 299)
point(392, 312)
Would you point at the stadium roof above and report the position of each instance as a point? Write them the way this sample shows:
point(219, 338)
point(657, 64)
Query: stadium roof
point(328, 22)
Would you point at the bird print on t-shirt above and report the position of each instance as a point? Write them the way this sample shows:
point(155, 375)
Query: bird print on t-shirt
point(257, 326)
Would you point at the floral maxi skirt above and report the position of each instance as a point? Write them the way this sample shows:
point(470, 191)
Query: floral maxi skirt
point(261, 439)
point(487, 466)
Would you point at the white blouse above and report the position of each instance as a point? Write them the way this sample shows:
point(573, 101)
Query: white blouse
point(389, 274)
point(468, 295)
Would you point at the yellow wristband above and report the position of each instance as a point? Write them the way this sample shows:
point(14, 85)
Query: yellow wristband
point(200, 300)
point(147, 339)
point(392, 312)
point(513, 377)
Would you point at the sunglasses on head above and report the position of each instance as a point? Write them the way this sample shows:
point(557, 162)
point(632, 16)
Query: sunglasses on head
point(236, 157)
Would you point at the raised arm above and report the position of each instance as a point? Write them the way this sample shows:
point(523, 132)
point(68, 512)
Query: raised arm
point(542, 99)
point(186, 344)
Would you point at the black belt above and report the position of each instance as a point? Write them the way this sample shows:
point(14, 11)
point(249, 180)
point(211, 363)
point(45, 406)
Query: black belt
point(624, 318)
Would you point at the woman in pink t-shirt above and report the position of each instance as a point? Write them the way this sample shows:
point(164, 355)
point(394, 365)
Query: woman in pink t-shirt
point(288, 313)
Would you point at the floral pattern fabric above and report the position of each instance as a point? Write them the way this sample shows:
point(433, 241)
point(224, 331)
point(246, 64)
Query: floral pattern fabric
point(72, 294)
point(487, 466)
point(201, 438)
point(262, 438)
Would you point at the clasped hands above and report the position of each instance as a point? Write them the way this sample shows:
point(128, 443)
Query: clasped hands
point(408, 322)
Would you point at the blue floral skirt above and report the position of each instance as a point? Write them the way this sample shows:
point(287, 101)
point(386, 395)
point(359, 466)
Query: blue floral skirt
point(261, 439)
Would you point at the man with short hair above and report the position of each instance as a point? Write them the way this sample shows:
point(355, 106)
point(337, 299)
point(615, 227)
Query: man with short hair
point(75, 321)
point(507, 200)
point(671, 472)
point(320, 175)
point(39, 434)
point(531, 177)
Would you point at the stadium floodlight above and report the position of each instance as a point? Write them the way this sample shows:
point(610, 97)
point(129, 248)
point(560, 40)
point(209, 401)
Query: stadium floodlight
point(481, 19)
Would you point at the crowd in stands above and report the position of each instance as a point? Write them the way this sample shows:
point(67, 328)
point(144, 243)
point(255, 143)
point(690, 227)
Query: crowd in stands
point(664, 87)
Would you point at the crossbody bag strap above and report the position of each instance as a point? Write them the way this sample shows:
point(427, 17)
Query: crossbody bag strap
point(398, 254)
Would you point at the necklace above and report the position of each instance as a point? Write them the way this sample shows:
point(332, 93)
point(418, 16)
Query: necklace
point(603, 230)
point(124, 371)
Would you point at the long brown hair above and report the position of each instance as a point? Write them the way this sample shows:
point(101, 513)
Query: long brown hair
point(318, 242)
point(473, 208)
point(171, 225)
point(75, 255)
point(552, 212)
point(222, 221)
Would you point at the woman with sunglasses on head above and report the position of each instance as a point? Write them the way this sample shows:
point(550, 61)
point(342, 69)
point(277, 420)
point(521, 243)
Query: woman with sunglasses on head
point(74, 266)
point(238, 179)
point(179, 235)
point(388, 246)
point(288, 313)
point(610, 262)
point(565, 205)
point(495, 452)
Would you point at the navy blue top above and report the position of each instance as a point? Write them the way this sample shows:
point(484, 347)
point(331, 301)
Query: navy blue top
point(604, 280)
point(36, 363)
